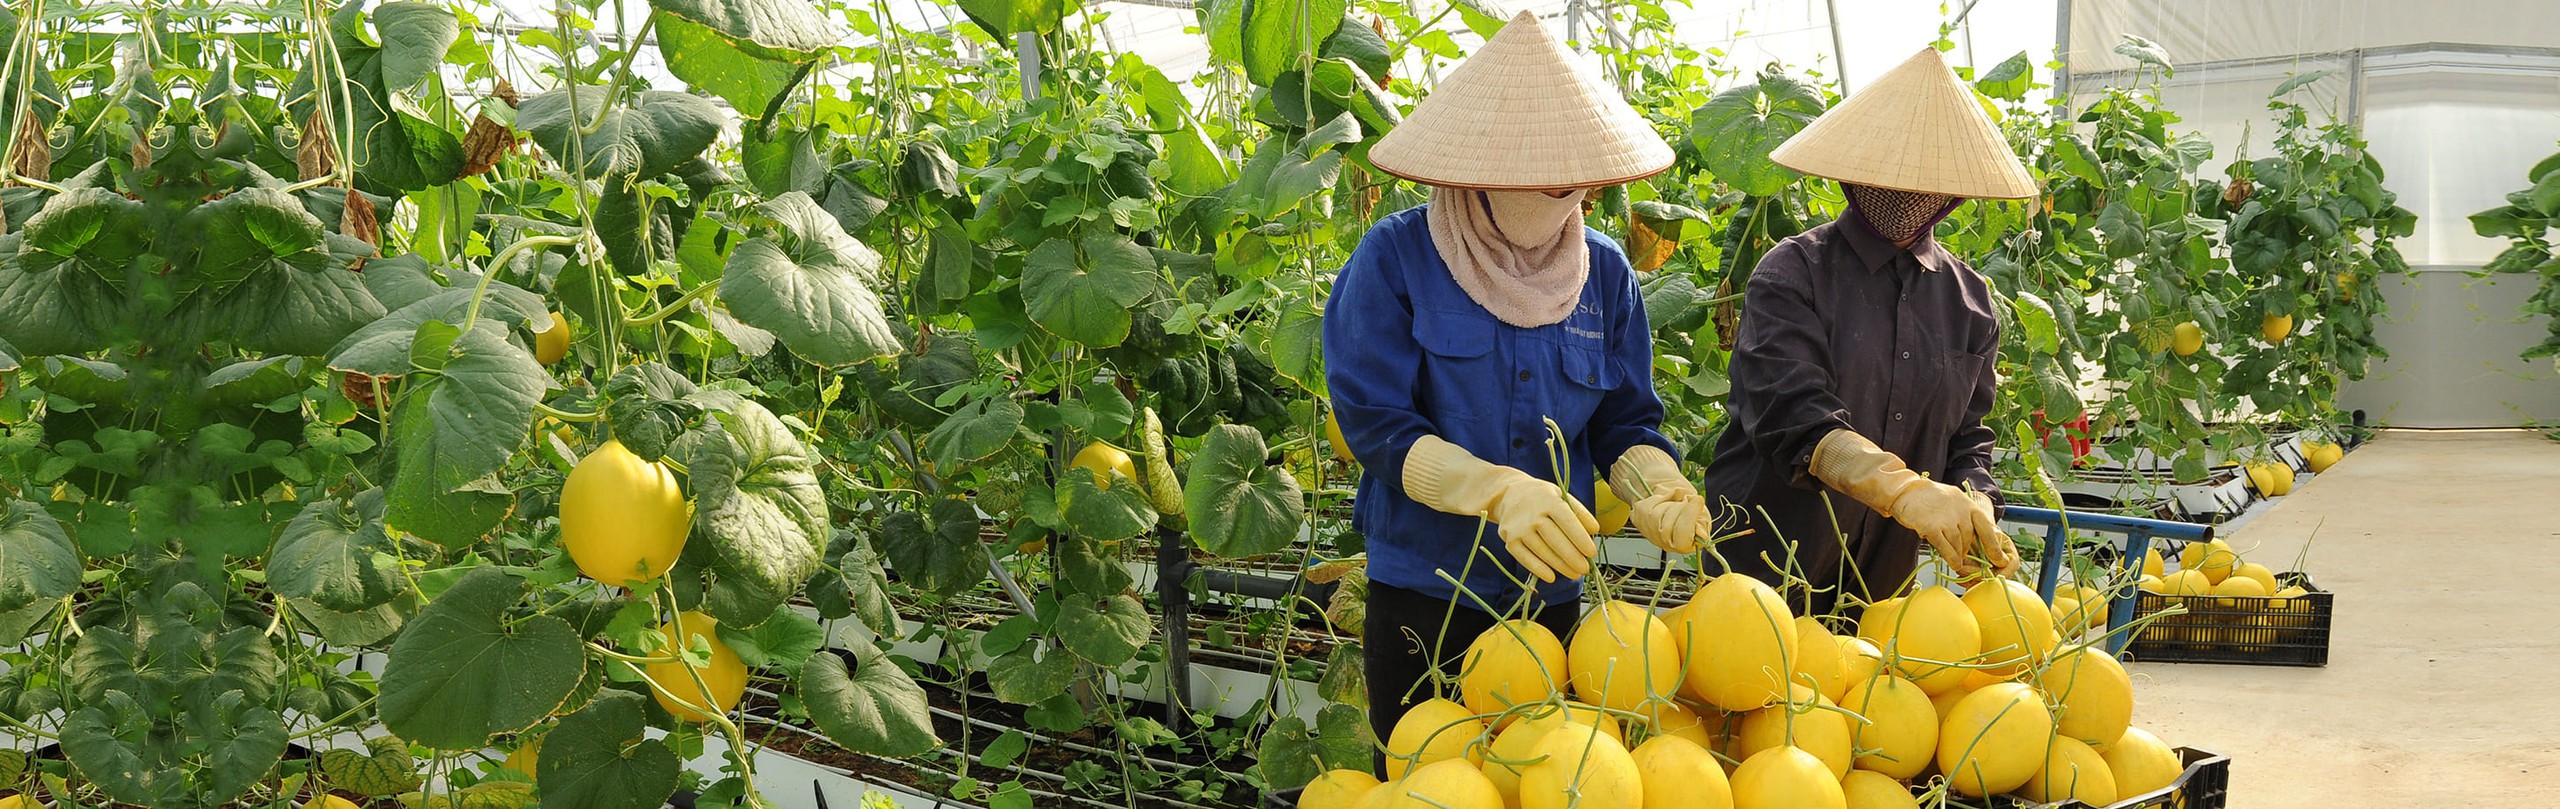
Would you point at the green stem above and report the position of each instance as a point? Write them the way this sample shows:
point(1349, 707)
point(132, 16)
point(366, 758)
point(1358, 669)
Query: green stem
point(480, 291)
point(671, 309)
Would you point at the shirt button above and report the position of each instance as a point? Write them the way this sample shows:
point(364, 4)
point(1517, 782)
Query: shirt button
point(1524, 376)
point(1897, 417)
point(1906, 355)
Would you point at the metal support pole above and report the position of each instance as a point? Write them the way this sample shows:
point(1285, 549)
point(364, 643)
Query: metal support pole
point(1026, 49)
point(2056, 538)
point(1173, 569)
point(1573, 24)
point(2062, 59)
point(1839, 52)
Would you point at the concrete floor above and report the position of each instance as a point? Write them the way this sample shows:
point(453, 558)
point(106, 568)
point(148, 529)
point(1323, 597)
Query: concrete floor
point(2443, 549)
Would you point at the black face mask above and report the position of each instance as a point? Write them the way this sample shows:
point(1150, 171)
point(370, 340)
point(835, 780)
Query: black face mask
point(1899, 215)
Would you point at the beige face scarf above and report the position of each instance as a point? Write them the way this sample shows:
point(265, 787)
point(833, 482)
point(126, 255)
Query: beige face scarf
point(1519, 254)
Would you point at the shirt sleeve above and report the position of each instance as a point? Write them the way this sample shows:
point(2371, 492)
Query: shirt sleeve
point(1783, 396)
point(1372, 365)
point(1969, 450)
point(1631, 413)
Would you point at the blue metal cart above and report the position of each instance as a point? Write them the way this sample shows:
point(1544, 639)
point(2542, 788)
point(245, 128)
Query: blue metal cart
point(2138, 533)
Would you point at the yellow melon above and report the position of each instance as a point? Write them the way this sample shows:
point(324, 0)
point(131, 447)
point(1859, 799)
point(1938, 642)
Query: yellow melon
point(1816, 727)
point(2141, 763)
point(1622, 656)
point(1900, 734)
point(1680, 774)
point(1871, 790)
point(1337, 789)
point(2259, 573)
point(1924, 637)
point(1519, 742)
point(2072, 772)
point(1580, 766)
point(1670, 718)
point(2187, 583)
point(2094, 695)
point(1994, 740)
point(1862, 659)
point(1514, 663)
point(1739, 640)
point(1786, 778)
point(1819, 660)
point(2152, 565)
point(2215, 559)
point(2016, 625)
point(1451, 784)
point(1436, 730)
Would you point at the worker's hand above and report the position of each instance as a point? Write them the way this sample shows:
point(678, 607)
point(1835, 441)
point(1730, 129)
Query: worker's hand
point(1548, 531)
point(1663, 506)
point(1673, 519)
point(1959, 524)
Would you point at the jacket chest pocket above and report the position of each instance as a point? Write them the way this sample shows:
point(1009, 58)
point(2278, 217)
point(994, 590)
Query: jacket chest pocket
point(1460, 365)
point(1585, 374)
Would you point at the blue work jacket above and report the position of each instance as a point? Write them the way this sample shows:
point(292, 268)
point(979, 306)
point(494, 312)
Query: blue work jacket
point(1408, 354)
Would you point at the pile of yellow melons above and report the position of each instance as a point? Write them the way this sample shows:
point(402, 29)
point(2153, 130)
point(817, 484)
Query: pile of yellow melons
point(1731, 700)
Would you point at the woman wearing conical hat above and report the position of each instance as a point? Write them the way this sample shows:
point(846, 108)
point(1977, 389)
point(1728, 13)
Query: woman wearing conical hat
point(1863, 368)
point(1459, 328)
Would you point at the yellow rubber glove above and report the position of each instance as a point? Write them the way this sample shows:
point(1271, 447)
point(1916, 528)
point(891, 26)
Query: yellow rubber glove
point(1957, 522)
point(1664, 507)
point(1547, 530)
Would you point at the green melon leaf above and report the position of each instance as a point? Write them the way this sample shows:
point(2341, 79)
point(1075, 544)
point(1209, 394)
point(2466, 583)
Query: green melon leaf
point(1082, 290)
point(943, 558)
point(976, 430)
point(1240, 506)
point(326, 554)
point(1737, 129)
point(810, 284)
point(778, 30)
point(1106, 630)
point(460, 673)
point(38, 561)
point(597, 758)
point(756, 498)
point(709, 62)
point(872, 708)
point(415, 36)
point(655, 133)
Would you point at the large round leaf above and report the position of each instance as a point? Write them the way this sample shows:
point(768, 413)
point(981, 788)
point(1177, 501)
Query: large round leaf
point(1082, 290)
point(597, 759)
point(38, 561)
point(1240, 506)
point(943, 558)
point(1737, 129)
point(756, 498)
point(810, 284)
point(415, 36)
point(655, 133)
point(873, 708)
point(976, 430)
point(1106, 630)
point(780, 30)
point(326, 554)
point(461, 673)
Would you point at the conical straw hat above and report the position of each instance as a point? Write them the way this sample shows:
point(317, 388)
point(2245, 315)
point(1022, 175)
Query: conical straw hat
point(1523, 114)
point(1917, 128)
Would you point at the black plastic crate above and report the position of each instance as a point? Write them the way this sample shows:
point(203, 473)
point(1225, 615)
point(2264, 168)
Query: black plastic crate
point(2238, 630)
point(2206, 784)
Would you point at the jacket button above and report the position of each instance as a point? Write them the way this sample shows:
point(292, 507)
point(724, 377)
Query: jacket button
point(1524, 376)
point(1518, 443)
point(1591, 379)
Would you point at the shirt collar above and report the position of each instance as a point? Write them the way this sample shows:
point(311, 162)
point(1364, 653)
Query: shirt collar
point(1875, 253)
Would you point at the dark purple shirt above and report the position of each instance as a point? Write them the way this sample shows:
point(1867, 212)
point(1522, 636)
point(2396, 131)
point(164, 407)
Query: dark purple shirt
point(1842, 329)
